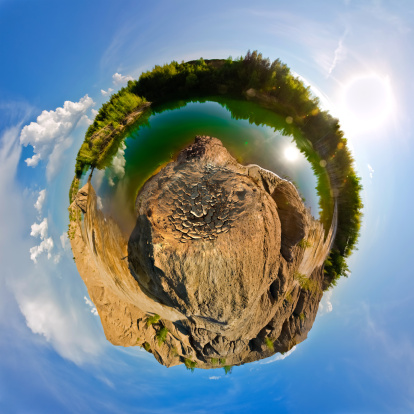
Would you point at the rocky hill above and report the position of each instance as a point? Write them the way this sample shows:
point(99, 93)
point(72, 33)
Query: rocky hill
point(224, 266)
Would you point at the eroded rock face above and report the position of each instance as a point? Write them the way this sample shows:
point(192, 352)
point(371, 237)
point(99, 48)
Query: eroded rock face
point(208, 238)
point(215, 253)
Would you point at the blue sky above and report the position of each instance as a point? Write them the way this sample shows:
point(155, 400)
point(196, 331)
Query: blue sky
point(358, 58)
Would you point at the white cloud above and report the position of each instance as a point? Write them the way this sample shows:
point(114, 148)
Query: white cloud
point(40, 200)
point(40, 229)
point(278, 357)
point(371, 171)
point(325, 305)
point(85, 121)
point(48, 296)
point(119, 79)
point(214, 378)
point(64, 240)
point(110, 90)
point(46, 244)
point(94, 112)
point(45, 315)
point(90, 303)
point(339, 54)
point(50, 134)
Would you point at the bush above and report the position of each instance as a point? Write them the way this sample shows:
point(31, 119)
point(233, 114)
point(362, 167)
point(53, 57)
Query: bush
point(153, 319)
point(228, 369)
point(307, 284)
point(162, 335)
point(269, 344)
point(189, 364)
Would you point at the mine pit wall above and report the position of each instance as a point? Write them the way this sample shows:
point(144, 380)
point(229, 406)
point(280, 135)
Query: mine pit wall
point(115, 292)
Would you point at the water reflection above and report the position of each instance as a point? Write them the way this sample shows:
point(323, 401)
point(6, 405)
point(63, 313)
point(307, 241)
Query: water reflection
point(262, 140)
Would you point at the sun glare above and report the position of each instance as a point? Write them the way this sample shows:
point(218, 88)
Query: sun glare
point(367, 103)
point(291, 153)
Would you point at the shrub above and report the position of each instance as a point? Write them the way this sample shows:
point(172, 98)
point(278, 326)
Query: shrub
point(189, 364)
point(306, 283)
point(228, 369)
point(147, 346)
point(214, 361)
point(269, 344)
point(162, 335)
point(302, 316)
point(153, 319)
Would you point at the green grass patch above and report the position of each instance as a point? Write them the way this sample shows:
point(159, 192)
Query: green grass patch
point(269, 344)
point(189, 364)
point(228, 369)
point(153, 319)
point(306, 283)
point(162, 335)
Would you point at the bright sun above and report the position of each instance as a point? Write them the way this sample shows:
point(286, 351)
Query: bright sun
point(291, 153)
point(367, 103)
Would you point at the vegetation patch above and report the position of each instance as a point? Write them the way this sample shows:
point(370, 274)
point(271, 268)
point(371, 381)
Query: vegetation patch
point(189, 364)
point(153, 319)
point(305, 244)
point(269, 344)
point(307, 284)
point(162, 335)
point(228, 369)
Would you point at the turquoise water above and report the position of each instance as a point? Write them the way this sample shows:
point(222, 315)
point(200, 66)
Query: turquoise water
point(171, 128)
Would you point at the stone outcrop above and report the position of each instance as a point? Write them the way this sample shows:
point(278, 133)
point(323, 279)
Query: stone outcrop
point(226, 255)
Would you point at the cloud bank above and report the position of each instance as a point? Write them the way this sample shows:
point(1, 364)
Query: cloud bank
point(50, 134)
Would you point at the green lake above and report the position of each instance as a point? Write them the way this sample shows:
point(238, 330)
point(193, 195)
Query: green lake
point(266, 140)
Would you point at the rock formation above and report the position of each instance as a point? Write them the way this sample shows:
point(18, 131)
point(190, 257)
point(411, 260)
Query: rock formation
point(224, 266)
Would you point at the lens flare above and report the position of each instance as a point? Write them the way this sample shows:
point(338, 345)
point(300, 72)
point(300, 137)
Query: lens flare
point(291, 153)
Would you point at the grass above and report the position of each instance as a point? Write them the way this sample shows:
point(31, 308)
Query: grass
point(162, 335)
point(222, 361)
point(289, 297)
point(269, 344)
point(214, 361)
point(189, 364)
point(147, 346)
point(153, 319)
point(304, 244)
point(307, 284)
point(302, 316)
